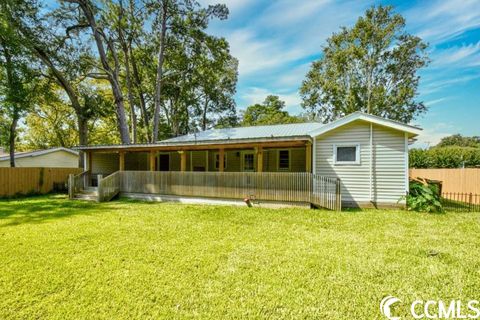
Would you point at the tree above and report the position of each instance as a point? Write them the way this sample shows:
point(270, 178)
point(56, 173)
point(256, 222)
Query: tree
point(371, 67)
point(271, 111)
point(459, 141)
point(18, 81)
point(104, 40)
point(177, 23)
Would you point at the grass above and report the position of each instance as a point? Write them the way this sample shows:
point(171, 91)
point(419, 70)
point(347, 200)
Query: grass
point(64, 259)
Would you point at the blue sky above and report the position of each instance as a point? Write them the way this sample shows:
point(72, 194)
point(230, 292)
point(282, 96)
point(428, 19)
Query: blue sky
point(275, 42)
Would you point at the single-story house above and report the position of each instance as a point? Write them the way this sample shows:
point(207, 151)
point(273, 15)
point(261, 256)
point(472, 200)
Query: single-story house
point(49, 158)
point(367, 154)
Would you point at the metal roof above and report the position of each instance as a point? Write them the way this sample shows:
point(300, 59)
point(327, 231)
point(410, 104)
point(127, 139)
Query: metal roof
point(37, 153)
point(271, 131)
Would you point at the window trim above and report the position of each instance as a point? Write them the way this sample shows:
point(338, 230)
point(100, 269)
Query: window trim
point(289, 160)
point(216, 165)
point(357, 154)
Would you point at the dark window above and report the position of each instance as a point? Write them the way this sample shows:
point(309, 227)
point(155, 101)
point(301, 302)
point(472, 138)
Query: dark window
point(283, 160)
point(164, 162)
point(346, 154)
point(248, 162)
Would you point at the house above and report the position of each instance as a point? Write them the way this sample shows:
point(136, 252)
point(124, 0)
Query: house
point(49, 158)
point(366, 155)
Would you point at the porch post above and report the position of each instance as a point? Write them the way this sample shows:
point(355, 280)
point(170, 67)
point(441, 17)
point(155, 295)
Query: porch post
point(121, 164)
point(308, 157)
point(259, 159)
point(152, 160)
point(221, 160)
point(89, 161)
point(183, 161)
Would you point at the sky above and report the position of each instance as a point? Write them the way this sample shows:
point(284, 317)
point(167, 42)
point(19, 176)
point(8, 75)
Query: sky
point(276, 41)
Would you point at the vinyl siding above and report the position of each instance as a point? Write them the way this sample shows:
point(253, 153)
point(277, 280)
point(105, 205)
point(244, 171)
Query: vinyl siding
point(105, 163)
point(57, 159)
point(388, 178)
point(136, 161)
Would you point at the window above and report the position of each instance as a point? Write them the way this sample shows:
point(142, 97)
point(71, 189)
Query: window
point(249, 161)
point(346, 154)
point(217, 161)
point(283, 160)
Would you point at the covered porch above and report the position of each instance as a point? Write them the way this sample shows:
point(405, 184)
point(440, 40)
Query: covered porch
point(288, 156)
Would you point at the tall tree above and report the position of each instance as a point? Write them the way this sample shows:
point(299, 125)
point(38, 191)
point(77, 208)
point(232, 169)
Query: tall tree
point(371, 67)
point(104, 40)
point(271, 111)
point(177, 22)
point(18, 81)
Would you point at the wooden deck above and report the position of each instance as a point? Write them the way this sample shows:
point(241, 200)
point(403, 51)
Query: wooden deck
point(301, 187)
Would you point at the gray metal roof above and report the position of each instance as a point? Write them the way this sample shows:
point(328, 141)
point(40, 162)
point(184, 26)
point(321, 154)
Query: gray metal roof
point(271, 131)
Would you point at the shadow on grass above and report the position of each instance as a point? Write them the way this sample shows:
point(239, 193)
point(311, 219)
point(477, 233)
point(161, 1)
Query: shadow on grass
point(39, 209)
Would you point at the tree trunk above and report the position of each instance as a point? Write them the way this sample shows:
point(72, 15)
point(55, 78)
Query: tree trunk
point(11, 139)
point(82, 137)
point(158, 84)
point(141, 95)
point(113, 73)
point(204, 117)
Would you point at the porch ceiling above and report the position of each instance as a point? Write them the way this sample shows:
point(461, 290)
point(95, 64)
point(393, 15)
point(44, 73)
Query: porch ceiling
point(205, 145)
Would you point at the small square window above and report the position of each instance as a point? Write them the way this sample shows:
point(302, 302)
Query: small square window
point(284, 160)
point(347, 154)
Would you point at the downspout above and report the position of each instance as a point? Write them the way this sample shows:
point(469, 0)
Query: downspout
point(371, 162)
point(314, 155)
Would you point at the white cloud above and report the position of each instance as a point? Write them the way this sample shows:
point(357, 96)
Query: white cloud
point(437, 85)
point(255, 54)
point(457, 56)
point(435, 101)
point(440, 20)
point(431, 135)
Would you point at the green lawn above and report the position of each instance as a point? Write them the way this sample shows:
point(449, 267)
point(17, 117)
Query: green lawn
point(121, 260)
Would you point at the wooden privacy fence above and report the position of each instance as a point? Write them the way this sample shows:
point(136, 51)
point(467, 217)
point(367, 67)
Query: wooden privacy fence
point(453, 180)
point(270, 186)
point(15, 181)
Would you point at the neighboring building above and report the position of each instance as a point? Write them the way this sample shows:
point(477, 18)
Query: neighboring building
point(49, 158)
point(369, 154)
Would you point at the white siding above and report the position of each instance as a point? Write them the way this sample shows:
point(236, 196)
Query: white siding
point(388, 175)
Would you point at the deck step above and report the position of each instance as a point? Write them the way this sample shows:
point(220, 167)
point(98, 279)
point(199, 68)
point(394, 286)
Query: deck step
point(86, 196)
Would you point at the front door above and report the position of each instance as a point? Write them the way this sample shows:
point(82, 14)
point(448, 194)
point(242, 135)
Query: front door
point(164, 162)
point(248, 161)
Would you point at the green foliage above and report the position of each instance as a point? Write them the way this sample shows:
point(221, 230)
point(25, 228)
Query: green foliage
point(444, 157)
point(424, 198)
point(371, 67)
point(459, 141)
point(271, 111)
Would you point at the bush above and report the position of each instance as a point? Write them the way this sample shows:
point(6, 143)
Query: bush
point(425, 198)
point(446, 157)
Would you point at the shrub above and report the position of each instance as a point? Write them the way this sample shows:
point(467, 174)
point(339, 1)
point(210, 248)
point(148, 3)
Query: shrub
point(425, 198)
point(446, 157)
